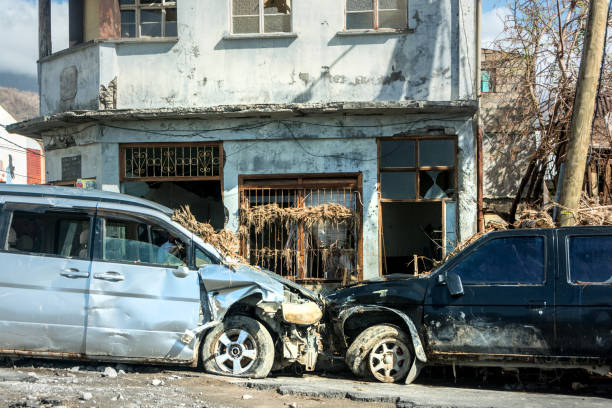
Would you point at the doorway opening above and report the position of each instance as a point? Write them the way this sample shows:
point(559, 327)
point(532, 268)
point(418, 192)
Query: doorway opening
point(203, 197)
point(409, 230)
point(177, 174)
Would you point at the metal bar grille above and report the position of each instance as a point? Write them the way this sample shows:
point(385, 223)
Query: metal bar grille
point(318, 250)
point(161, 161)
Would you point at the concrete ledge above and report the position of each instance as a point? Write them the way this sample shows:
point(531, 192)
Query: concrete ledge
point(258, 36)
point(34, 127)
point(350, 33)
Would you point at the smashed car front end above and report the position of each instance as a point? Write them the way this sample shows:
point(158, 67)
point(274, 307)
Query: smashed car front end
point(290, 312)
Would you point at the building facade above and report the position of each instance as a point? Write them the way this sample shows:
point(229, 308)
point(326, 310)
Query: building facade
point(21, 158)
point(230, 105)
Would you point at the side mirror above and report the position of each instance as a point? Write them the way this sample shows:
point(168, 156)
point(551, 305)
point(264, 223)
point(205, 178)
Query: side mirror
point(181, 272)
point(453, 282)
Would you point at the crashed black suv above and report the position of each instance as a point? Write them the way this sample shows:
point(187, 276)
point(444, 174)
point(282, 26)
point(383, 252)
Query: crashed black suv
point(513, 298)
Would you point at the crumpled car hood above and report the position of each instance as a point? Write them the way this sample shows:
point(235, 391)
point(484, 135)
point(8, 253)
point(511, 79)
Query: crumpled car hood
point(225, 286)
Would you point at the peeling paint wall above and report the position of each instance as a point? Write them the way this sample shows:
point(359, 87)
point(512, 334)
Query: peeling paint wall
point(70, 81)
point(206, 66)
point(331, 144)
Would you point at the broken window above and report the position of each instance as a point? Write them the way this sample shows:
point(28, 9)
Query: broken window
point(261, 16)
point(591, 259)
point(53, 233)
point(415, 169)
point(303, 230)
point(417, 193)
point(148, 18)
point(376, 14)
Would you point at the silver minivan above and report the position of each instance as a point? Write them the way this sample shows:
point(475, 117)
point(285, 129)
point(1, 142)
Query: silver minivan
point(95, 275)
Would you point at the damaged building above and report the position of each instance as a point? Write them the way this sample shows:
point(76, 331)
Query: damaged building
point(336, 137)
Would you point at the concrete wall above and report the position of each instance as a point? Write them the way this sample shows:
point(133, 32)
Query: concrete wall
point(206, 66)
point(70, 81)
point(310, 145)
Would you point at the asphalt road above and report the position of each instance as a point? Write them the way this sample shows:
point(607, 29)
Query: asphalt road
point(46, 383)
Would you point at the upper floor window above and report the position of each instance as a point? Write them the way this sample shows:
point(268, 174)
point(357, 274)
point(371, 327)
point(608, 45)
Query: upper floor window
point(261, 16)
point(148, 18)
point(487, 80)
point(376, 14)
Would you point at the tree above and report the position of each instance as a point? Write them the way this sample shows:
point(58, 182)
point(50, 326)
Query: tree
point(542, 42)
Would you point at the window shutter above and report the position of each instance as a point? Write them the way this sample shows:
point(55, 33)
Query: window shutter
point(33, 158)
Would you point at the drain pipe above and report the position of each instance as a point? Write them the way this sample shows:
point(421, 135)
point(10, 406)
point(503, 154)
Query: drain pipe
point(479, 149)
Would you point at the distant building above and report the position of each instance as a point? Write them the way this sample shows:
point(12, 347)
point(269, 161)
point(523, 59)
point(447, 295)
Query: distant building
point(508, 140)
point(21, 157)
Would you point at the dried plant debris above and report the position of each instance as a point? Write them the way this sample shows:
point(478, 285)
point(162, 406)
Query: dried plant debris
point(225, 241)
point(263, 215)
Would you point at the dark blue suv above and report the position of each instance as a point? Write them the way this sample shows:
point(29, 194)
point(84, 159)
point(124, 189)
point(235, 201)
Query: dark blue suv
point(512, 298)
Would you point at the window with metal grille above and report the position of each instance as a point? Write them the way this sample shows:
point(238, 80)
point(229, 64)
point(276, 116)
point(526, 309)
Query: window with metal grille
point(376, 14)
point(305, 229)
point(171, 161)
point(148, 18)
point(261, 16)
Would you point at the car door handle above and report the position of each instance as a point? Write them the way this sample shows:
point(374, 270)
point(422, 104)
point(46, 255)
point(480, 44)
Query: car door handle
point(74, 273)
point(109, 276)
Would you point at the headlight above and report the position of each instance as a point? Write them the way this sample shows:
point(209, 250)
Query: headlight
point(302, 313)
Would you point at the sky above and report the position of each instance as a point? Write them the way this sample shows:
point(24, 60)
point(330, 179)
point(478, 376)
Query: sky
point(19, 35)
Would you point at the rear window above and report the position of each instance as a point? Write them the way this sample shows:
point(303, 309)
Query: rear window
point(49, 233)
point(505, 261)
point(590, 259)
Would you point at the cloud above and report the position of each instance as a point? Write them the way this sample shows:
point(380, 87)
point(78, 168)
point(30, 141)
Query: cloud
point(19, 34)
point(493, 25)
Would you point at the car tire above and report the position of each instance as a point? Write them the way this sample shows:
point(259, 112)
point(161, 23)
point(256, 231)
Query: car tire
point(238, 347)
point(381, 352)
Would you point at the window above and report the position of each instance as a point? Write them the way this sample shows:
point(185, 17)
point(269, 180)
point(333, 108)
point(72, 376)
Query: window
point(504, 261)
point(172, 161)
point(49, 233)
point(139, 242)
point(261, 16)
point(590, 259)
point(148, 18)
point(303, 229)
point(487, 80)
point(376, 14)
point(417, 169)
point(202, 258)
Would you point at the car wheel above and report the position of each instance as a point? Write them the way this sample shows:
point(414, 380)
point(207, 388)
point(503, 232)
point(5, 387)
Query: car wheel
point(380, 352)
point(239, 347)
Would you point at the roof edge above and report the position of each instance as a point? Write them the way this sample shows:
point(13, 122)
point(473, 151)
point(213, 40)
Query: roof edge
point(34, 127)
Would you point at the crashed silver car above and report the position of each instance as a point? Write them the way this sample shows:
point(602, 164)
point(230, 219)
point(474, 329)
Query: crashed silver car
point(103, 276)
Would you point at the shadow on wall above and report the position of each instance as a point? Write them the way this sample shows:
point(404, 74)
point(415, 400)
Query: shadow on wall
point(423, 62)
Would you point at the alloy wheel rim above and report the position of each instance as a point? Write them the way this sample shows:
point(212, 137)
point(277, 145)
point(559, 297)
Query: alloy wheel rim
point(389, 360)
point(235, 351)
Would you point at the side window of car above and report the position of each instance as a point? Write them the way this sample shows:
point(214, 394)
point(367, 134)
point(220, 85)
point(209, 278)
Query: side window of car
point(590, 259)
point(505, 261)
point(202, 258)
point(139, 242)
point(54, 233)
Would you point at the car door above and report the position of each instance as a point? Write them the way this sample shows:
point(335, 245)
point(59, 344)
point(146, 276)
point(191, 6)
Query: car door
point(584, 292)
point(44, 278)
point(142, 295)
point(507, 303)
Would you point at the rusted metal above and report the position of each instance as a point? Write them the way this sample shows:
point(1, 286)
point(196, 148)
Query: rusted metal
point(289, 250)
